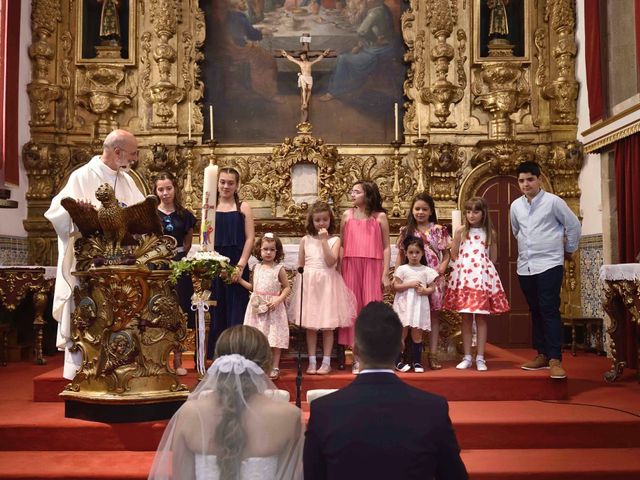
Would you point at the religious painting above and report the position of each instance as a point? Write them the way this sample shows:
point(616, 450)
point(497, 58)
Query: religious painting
point(501, 25)
point(106, 31)
point(271, 64)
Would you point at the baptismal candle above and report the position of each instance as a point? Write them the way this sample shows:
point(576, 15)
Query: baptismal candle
point(456, 220)
point(209, 195)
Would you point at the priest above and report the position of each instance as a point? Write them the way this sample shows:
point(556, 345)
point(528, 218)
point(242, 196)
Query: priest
point(120, 149)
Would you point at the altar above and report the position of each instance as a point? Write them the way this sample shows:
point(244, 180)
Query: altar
point(622, 304)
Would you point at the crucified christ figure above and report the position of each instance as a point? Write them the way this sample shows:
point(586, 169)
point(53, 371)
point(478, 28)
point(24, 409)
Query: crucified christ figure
point(305, 80)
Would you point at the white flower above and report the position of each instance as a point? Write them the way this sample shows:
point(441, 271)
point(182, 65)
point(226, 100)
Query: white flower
point(215, 256)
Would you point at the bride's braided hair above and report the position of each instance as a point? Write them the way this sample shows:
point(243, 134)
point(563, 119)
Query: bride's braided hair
point(230, 436)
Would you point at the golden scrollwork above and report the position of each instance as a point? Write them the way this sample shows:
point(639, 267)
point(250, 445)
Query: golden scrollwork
point(442, 171)
point(562, 92)
point(564, 161)
point(441, 17)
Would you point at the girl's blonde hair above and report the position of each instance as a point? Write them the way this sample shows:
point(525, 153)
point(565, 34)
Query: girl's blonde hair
point(479, 204)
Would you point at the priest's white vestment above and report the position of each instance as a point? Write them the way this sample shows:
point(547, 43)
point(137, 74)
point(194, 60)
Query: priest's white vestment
point(82, 185)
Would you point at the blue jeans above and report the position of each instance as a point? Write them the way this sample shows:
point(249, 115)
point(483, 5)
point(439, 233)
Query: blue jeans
point(542, 292)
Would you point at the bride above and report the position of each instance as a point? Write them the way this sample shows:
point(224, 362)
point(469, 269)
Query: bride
point(229, 428)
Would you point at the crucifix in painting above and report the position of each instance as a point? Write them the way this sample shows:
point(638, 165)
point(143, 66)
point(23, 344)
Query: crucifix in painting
point(305, 79)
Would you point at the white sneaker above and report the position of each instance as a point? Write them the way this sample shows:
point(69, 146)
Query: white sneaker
point(481, 364)
point(464, 364)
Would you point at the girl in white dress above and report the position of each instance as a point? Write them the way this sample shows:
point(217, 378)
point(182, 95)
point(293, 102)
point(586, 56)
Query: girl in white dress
point(474, 287)
point(413, 282)
point(327, 303)
point(270, 288)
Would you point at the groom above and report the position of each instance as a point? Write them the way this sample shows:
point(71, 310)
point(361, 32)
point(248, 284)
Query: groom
point(379, 427)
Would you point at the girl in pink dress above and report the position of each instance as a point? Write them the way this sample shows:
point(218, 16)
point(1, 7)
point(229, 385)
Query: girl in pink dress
point(366, 252)
point(422, 223)
point(327, 303)
point(474, 287)
point(269, 289)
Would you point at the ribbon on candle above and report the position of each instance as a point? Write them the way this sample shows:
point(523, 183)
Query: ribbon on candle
point(211, 121)
point(208, 214)
point(200, 304)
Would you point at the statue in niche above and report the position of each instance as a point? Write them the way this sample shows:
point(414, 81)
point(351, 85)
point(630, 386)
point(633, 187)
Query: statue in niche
point(498, 22)
point(109, 22)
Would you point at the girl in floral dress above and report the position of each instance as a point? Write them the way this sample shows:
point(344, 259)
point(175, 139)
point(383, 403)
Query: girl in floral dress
point(474, 287)
point(422, 223)
point(269, 289)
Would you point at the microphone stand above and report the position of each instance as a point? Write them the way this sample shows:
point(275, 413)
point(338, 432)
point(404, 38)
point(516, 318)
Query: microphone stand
point(299, 375)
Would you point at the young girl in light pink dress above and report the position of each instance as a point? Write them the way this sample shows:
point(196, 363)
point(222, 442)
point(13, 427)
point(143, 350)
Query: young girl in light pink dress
point(475, 289)
point(327, 303)
point(366, 252)
point(269, 289)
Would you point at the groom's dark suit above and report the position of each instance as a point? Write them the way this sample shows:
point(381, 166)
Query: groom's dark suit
point(379, 427)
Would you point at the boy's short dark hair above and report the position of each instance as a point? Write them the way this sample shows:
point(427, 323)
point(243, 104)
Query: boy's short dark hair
point(528, 167)
point(378, 333)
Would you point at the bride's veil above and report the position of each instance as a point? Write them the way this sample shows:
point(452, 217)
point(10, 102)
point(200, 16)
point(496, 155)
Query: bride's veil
point(221, 412)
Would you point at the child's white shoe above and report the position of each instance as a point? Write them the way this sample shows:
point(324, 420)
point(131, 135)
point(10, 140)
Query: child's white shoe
point(464, 364)
point(481, 364)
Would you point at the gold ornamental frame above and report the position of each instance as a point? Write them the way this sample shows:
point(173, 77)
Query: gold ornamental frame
point(526, 58)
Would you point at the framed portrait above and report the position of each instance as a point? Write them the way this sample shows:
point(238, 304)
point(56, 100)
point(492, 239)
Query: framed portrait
point(106, 24)
point(256, 91)
point(507, 20)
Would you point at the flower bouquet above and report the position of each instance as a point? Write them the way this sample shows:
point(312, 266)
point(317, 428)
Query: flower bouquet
point(205, 265)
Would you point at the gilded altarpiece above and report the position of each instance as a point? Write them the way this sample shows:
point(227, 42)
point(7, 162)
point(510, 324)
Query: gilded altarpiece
point(480, 114)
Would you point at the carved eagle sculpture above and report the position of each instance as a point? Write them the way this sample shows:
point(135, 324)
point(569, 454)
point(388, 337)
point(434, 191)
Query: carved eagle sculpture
point(117, 224)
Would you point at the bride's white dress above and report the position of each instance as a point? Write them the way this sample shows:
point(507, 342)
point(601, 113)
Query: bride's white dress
point(254, 468)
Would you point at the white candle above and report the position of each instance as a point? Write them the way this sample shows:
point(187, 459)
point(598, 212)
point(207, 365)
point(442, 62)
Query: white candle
point(208, 218)
point(211, 122)
point(419, 121)
point(456, 220)
point(395, 113)
point(189, 120)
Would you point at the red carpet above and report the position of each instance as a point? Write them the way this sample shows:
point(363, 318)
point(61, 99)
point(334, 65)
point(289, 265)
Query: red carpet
point(537, 429)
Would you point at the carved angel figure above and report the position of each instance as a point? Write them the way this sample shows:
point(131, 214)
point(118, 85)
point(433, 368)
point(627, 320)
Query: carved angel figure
point(117, 224)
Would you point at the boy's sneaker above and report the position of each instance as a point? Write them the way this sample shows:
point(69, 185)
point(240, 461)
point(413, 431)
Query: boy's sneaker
point(418, 368)
point(537, 363)
point(555, 369)
point(403, 367)
point(481, 364)
point(464, 364)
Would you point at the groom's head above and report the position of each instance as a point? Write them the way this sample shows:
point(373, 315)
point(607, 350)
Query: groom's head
point(378, 336)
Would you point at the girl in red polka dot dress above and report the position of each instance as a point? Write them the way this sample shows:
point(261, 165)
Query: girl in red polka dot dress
point(475, 289)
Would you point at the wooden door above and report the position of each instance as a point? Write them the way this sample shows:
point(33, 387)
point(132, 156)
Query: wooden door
point(512, 329)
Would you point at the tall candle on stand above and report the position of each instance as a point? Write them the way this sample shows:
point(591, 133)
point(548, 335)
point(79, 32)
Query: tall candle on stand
point(419, 123)
point(189, 120)
point(211, 122)
point(395, 114)
point(456, 220)
point(209, 196)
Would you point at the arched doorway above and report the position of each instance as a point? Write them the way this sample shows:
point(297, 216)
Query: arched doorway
point(512, 329)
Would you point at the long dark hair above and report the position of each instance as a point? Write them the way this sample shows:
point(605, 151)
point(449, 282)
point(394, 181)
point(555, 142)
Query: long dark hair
point(177, 203)
point(235, 173)
point(412, 225)
point(372, 197)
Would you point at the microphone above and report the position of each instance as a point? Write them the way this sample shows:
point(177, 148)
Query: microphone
point(299, 374)
point(300, 270)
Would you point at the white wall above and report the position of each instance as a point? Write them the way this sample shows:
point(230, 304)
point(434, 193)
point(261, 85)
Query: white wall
point(589, 182)
point(11, 223)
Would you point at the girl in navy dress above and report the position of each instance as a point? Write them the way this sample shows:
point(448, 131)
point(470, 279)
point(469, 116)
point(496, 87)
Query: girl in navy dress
point(177, 222)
